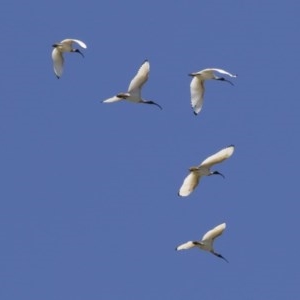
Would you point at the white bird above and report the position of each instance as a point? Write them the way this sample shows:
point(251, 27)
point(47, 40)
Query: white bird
point(192, 180)
point(135, 87)
point(207, 241)
point(59, 49)
point(197, 85)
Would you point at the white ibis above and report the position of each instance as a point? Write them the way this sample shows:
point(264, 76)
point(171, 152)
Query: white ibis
point(192, 180)
point(207, 241)
point(135, 88)
point(59, 49)
point(197, 85)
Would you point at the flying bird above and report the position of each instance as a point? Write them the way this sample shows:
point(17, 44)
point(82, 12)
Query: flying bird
point(135, 88)
point(59, 49)
point(192, 180)
point(197, 85)
point(207, 241)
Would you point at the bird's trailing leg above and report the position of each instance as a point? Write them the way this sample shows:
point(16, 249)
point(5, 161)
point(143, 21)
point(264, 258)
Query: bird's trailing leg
point(196, 243)
point(123, 95)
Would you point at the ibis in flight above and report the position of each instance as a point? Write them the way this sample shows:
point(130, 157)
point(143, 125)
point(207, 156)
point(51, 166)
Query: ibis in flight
point(207, 241)
point(57, 53)
point(197, 85)
point(192, 180)
point(135, 88)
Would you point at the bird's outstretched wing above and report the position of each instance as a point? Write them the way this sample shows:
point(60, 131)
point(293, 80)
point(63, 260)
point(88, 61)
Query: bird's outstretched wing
point(58, 62)
point(197, 92)
point(189, 184)
point(186, 246)
point(214, 233)
point(70, 41)
point(218, 157)
point(223, 72)
point(112, 99)
point(139, 79)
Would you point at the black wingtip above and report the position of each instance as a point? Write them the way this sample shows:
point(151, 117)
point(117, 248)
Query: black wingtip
point(179, 194)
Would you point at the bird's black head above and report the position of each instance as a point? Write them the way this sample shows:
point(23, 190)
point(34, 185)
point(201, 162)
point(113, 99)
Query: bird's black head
point(217, 173)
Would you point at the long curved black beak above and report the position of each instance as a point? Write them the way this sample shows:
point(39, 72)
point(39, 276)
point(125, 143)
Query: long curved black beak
point(217, 173)
point(152, 102)
point(78, 51)
point(223, 79)
point(221, 256)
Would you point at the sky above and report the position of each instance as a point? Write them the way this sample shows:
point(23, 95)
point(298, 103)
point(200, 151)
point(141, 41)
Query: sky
point(88, 200)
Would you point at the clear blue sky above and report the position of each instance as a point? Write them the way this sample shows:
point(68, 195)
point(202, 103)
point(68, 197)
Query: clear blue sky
point(88, 198)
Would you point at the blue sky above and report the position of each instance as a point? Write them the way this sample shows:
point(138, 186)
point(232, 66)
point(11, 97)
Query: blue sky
point(89, 206)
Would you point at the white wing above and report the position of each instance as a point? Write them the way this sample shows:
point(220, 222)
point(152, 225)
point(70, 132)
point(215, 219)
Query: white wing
point(140, 78)
point(222, 72)
point(185, 246)
point(58, 62)
point(189, 184)
point(197, 92)
point(217, 157)
point(213, 233)
point(70, 41)
point(112, 99)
